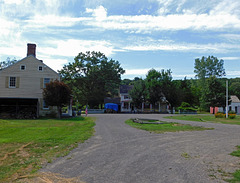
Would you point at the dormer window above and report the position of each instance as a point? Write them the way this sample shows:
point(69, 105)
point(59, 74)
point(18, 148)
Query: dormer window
point(22, 67)
point(40, 68)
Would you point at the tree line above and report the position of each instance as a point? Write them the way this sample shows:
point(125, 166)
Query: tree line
point(92, 76)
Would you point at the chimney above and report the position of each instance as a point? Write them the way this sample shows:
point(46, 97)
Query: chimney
point(31, 50)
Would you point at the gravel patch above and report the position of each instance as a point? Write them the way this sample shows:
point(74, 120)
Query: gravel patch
point(119, 153)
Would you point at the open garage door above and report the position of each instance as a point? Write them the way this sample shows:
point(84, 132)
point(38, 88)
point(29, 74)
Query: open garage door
point(18, 108)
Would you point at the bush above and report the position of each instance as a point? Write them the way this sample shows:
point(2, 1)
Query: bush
point(186, 107)
point(220, 115)
point(232, 116)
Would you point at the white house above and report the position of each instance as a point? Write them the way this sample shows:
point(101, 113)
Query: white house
point(21, 86)
point(235, 104)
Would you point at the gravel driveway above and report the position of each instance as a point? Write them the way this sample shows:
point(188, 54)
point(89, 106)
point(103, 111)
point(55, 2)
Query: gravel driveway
point(120, 153)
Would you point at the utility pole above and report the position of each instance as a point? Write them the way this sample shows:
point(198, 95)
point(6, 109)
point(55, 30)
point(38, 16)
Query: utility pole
point(227, 99)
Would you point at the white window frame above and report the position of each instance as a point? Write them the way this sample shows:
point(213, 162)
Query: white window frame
point(40, 66)
point(44, 83)
point(21, 67)
point(15, 82)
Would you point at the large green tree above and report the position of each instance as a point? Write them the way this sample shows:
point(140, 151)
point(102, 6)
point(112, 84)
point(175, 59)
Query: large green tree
point(138, 93)
point(204, 68)
point(215, 94)
point(154, 86)
point(92, 76)
point(57, 94)
point(160, 85)
point(234, 87)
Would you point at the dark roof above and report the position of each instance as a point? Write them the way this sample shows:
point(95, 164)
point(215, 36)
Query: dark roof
point(112, 100)
point(125, 88)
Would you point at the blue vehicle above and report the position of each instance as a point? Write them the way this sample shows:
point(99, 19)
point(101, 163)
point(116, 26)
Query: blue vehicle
point(111, 108)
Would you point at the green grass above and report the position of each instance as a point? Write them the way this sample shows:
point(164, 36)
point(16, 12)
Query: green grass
point(206, 118)
point(26, 144)
point(236, 174)
point(166, 127)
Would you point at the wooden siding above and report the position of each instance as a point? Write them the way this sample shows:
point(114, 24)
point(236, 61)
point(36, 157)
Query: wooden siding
point(28, 82)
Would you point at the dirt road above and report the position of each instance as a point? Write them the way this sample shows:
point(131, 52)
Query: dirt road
point(119, 153)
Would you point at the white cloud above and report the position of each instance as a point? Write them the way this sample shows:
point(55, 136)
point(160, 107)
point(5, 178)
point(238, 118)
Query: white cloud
point(55, 64)
point(230, 58)
point(233, 74)
point(72, 47)
point(40, 21)
point(100, 13)
point(149, 23)
point(169, 45)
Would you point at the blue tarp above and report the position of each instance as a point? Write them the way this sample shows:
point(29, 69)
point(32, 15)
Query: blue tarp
point(111, 106)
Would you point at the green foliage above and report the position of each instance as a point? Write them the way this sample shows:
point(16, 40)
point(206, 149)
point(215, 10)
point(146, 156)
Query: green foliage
point(92, 77)
point(186, 107)
point(215, 92)
point(236, 174)
point(209, 66)
point(234, 87)
point(220, 115)
point(57, 94)
point(166, 127)
point(138, 93)
point(160, 87)
point(7, 63)
point(204, 68)
point(46, 139)
point(207, 118)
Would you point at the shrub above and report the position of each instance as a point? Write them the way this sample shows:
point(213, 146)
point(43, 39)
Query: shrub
point(186, 107)
point(220, 115)
point(232, 116)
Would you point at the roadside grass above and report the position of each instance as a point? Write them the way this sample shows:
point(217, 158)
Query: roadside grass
point(206, 118)
point(236, 174)
point(166, 127)
point(25, 145)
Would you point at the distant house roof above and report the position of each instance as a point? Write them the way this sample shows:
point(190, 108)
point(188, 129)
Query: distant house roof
point(234, 99)
point(125, 88)
point(112, 100)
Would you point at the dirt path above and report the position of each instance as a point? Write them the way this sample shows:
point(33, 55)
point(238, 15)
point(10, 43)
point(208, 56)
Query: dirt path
point(119, 153)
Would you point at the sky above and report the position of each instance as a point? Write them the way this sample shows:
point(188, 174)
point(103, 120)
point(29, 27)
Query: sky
point(140, 34)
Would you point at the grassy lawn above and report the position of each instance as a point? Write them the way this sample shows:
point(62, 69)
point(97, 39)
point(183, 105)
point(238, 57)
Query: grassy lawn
point(166, 127)
point(25, 145)
point(207, 118)
point(236, 174)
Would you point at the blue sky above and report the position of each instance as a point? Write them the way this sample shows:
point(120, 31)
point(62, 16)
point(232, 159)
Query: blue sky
point(140, 34)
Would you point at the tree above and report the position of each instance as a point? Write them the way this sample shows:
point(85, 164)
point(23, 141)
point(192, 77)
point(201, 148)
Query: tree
point(7, 63)
point(209, 66)
point(92, 77)
point(204, 68)
point(160, 85)
point(138, 93)
point(57, 94)
point(234, 88)
point(154, 87)
point(215, 95)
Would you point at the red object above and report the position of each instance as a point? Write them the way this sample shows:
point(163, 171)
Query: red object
point(86, 111)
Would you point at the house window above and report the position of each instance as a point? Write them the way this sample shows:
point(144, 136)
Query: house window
point(12, 82)
point(40, 68)
point(22, 67)
point(126, 97)
point(46, 80)
point(45, 106)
